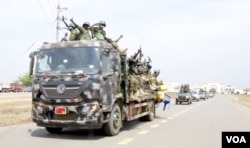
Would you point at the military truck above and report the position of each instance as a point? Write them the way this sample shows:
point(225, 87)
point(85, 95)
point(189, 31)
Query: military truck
point(184, 95)
point(85, 84)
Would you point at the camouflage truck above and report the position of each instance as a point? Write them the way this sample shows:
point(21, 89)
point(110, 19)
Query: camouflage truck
point(84, 84)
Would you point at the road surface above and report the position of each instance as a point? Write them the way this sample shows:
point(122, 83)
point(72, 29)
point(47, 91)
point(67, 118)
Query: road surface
point(198, 125)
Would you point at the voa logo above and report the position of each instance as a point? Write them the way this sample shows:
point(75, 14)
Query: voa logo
point(236, 139)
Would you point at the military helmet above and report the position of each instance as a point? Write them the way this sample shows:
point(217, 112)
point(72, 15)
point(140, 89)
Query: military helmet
point(72, 25)
point(86, 24)
point(149, 66)
point(102, 23)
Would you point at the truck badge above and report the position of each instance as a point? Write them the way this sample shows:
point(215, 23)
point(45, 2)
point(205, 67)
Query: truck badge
point(60, 88)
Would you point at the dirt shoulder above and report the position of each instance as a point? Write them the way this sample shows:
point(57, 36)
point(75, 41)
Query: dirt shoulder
point(243, 99)
point(15, 111)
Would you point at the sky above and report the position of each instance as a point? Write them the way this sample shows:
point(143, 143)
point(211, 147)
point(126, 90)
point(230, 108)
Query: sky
point(190, 41)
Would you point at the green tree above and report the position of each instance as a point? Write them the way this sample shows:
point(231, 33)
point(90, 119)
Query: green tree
point(25, 79)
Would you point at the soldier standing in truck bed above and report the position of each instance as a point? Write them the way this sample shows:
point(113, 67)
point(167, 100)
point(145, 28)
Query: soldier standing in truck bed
point(83, 31)
point(73, 30)
point(99, 33)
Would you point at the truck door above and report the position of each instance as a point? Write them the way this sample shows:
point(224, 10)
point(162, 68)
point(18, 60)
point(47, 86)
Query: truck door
point(110, 74)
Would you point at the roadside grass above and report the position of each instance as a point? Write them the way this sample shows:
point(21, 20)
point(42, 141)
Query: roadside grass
point(244, 99)
point(15, 111)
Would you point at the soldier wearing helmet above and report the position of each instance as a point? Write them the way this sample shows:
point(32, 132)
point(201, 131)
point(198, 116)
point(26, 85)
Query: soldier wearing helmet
point(83, 31)
point(99, 33)
point(97, 30)
point(73, 30)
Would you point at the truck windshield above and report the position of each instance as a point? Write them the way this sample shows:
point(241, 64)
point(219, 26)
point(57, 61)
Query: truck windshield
point(68, 61)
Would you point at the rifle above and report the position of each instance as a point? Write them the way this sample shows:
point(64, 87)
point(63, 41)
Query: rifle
point(117, 40)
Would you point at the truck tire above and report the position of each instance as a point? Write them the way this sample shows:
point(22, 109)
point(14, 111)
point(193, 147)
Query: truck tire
point(112, 127)
point(151, 115)
point(54, 130)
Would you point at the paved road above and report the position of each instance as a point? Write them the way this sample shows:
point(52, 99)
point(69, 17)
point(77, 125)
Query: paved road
point(181, 126)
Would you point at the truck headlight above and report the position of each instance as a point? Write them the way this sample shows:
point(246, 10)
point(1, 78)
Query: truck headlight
point(90, 108)
point(39, 109)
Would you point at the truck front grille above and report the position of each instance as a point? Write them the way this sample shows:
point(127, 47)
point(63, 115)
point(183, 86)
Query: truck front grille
point(70, 92)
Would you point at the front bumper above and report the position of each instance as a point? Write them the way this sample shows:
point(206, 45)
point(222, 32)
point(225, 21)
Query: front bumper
point(182, 99)
point(75, 116)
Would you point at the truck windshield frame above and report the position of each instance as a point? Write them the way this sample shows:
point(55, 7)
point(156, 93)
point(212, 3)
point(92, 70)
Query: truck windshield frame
point(68, 60)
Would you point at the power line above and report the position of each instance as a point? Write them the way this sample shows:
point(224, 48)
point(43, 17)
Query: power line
point(44, 14)
point(51, 8)
point(39, 38)
point(15, 61)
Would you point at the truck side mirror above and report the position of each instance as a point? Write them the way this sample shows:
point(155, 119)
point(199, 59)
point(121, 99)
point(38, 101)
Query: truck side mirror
point(32, 60)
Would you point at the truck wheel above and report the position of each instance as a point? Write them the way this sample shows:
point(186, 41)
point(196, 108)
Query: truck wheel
point(151, 115)
point(54, 130)
point(176, 102)
point(112, 127)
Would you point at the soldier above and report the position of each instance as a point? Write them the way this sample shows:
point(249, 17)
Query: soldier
point(99, 33)
point(133, 82)
point(150, 77)
point(65, 37)
point(73, 30)
point(134, 77)
point(84, 30)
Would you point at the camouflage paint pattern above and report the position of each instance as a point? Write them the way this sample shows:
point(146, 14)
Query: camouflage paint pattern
point(86, 98)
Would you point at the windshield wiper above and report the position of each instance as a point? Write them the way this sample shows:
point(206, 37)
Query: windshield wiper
point(48, 74)
point(75, 74)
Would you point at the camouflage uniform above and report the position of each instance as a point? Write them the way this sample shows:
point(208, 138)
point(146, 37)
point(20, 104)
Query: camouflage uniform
point(73, 34)
point(99, 34)
point(73, 31)
point(133, 81)
point(84, 34)
point(83, 31)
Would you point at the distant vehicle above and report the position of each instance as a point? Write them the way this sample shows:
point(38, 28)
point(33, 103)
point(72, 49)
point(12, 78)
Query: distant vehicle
point(211, 94)
point(28, 89)
point(184, 95)
point(4, 87)
point(16, 87)
point(203, 95)
point(195, 95)
point(11, 87)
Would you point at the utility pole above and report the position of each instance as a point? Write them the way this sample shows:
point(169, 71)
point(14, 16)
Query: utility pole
point(58, 19)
